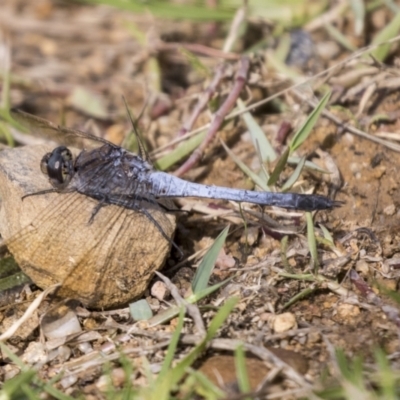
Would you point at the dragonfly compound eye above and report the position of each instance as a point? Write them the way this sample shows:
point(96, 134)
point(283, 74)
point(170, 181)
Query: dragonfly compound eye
point(58, 166)
point(44, 162)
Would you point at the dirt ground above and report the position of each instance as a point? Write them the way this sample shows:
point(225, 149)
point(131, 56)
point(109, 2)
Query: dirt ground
point(59, 49)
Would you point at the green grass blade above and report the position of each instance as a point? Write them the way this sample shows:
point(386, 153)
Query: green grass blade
point(386, 376)
point(263, 173)
point(327, 234)
point(358, 7)
point(169, 10)
point(312, 243)
point(172, 346)
point(241, 371)
point(180, 152)
point(14, 280)
point(308, 165)
point(195, 63)
point(253, 176)
point(204, 270)
point(279, 167)
point(342, 362)
point(352, 370)
point(173, 376)
point(339, 37)
point(221, 316)
point(299, 296)
point(5, 94)
point(5, 132)
point(211, 391)
point(300, 277)
point(257, 135)
point(12, 386)
point(8, 266)
point(128, 391)
point(11, 274)
point(244, 225)
point(387, 33)
point(285, 261)
point(13, 357)
point(296, 173)
point(172, 312)
point(303, 133)
point(195, 297)
point(56, 393)
point(283, 48)
point(273, 62)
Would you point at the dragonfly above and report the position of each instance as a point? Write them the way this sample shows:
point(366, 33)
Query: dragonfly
point(113, 177)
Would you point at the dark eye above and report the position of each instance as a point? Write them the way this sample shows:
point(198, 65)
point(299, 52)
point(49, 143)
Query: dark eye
point(58, 166)
point(44, 163)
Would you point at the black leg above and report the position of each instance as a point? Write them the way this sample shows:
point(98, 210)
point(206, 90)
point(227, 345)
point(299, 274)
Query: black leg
point(96, 209)
point(39, 193)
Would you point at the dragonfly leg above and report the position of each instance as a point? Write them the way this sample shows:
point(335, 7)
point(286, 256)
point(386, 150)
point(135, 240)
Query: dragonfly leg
point(39, 193)
point(102, 202)
point(167, 209)
point(159, 227)
point(133, 203)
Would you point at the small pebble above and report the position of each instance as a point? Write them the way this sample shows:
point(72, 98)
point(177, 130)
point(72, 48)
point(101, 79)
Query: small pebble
point(64, 353)
point(117, 378)
point(355, 167)
point(250, 236)
point(224, 261)
point(68, 381)
point(159, 290)
point(362, 267)
point(348, 138)
point(35, 353)
point(378, 172)
point(313, 337)
point(346, 311)
point(327, 50)
point(284, 322)
point(265, 317)
point(390, 210)
point(85, 347)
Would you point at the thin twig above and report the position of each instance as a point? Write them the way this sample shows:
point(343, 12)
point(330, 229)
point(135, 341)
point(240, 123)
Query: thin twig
point(192, 309)
point(203, 101)
point(234, 30)
point(198, 49)
point(218, 117)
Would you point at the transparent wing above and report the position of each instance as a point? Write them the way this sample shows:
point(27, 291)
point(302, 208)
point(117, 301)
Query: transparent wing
point(44, 129)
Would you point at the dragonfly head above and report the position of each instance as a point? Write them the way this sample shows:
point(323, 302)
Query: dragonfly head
point(59, 167)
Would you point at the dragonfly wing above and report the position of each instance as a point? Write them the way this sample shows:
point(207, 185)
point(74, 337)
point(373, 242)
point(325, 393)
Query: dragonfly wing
point(44, 129)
